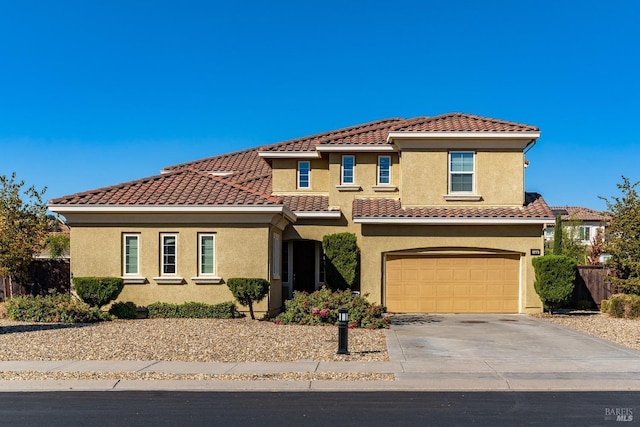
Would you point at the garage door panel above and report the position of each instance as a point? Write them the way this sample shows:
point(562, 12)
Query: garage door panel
point(467, 283)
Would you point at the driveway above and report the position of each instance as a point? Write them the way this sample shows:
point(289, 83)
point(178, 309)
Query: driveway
point(516, 351)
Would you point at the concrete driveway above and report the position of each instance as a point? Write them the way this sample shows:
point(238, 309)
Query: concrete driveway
point(512, 351)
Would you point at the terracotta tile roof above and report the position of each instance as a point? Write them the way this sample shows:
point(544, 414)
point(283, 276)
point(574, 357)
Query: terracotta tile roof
point(534, 207)
point(248, 180)
point(375, 133)
point(307, 203)
point(180, 187)
point(367, 133)
point(568, 213)
point(461, 122)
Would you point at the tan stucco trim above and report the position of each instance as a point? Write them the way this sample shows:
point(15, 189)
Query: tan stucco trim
point(289, 154)
point(321, 215)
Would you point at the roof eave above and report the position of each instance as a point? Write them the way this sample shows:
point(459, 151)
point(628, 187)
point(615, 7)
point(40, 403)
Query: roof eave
point(453, 221)
point(289, 154)
point(528, 135)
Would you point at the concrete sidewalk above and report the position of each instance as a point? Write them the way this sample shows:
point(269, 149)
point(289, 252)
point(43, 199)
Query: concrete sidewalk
point(420, 361)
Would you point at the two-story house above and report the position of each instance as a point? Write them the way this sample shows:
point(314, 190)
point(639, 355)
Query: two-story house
point(438, 206)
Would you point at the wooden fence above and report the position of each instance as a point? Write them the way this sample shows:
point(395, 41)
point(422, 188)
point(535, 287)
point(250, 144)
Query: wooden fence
point(591, 284)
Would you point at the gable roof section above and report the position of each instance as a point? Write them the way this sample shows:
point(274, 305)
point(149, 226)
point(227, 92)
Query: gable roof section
point(461, 122)
point(381, 211)
point(181, 187)
point(567, 213)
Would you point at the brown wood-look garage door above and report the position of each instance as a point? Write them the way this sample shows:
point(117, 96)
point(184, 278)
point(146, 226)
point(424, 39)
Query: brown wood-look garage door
point(452, 284)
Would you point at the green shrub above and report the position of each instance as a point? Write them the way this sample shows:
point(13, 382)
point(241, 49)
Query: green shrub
point(321, 308)
point(622, 305)
point(195, 310)
point(98, 291)
point(53, 308)
point(342, 261)
point(248, 290)
point(555, 279)
point(124, 310)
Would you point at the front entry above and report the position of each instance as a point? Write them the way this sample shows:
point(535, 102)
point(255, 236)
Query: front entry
point(304, 266)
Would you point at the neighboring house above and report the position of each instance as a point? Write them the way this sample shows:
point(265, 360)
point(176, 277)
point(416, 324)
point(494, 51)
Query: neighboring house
point(437, 204)
point(587, 221)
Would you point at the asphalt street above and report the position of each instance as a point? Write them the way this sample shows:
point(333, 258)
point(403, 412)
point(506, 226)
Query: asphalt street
point(171, 408)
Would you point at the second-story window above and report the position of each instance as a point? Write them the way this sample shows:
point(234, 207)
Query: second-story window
point(348, 163)
point(304, 174)
point(384, 170)
point(169, 253)
point(461, 171)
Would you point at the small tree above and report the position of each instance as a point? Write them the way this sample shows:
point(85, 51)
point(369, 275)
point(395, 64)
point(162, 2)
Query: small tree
point(597, 247)
point(342, 260)
point(23, 226)
point(58, 244)
point(623, 237)
point(555, 280)
point(557, 236)
point(248, 290)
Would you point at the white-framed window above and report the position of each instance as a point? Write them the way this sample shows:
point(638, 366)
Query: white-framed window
point(585, 233)
point(276, 253)
point(131, 254)
point(461, 171)
point(206, 254)
point(348, 166)
point(304, 174)
point(384, 170)
point(169, 254)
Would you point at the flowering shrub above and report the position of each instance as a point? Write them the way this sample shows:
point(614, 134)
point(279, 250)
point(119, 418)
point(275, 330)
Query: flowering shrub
point(321, 308)
point(53, 308)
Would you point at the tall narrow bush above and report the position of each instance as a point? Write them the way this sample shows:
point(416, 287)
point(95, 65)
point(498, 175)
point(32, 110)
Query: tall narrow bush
point(557, 236)
point(342, 261)
point(248, 290)
point(555, 280)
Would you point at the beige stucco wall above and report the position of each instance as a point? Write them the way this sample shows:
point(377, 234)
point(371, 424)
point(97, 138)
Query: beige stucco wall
point(425, 174)
point(380, 239)
point(240, 251)
point(285, 177)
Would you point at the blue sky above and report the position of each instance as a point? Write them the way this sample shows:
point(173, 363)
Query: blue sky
point(96, 93)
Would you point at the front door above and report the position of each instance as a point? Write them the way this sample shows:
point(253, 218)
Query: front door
point(304, 266)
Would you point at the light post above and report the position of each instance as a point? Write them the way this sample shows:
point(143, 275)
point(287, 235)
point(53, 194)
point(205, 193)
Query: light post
point(343, 331)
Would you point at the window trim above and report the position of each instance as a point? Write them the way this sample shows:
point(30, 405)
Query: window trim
point(124, 254)
point(472, 173)
point(300, 162)
point(379, 170)
point(200, 239)
point(162, 254)
point(343, 181)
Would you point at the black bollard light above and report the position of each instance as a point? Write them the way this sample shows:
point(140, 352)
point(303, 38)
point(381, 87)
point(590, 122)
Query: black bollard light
point(343, 331)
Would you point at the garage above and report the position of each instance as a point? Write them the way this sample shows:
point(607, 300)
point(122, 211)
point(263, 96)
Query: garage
point(477, 283)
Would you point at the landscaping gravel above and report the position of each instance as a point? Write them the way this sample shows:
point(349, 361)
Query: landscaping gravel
point(625, 332)
point(191, 340)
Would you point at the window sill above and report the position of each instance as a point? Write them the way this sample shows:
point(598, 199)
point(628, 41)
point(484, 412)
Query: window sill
point(348, 187)
point(462, 197)
point(169, 280)
point(384, 187)
point(207, 280)
point(134, 280)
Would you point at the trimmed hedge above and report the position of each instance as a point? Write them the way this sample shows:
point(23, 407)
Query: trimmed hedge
point(321, 308)
point(195, 310)
point(248, 290)
point(98, 291)
point(622, 305)
point(53, 308)
point(124, 310)
point(342, 261)
point(555, 280)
